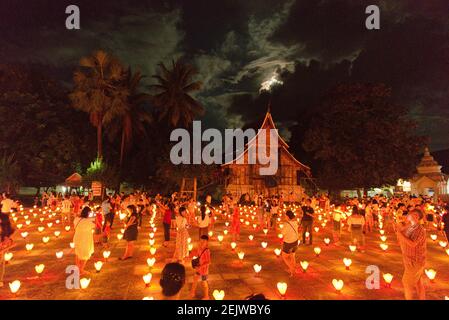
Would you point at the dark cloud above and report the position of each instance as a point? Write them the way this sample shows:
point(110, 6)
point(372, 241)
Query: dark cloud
point(310, 45)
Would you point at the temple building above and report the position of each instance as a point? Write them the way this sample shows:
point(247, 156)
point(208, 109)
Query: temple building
point(429, 180)
point(246, 178)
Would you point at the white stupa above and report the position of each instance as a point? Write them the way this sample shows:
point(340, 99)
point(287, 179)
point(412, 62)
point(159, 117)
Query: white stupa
point(429, 180)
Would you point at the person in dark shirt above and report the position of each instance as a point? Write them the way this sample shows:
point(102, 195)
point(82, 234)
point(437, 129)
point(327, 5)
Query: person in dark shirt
point(307, 221)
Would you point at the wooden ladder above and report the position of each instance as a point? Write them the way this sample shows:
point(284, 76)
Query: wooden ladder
point(189, 186)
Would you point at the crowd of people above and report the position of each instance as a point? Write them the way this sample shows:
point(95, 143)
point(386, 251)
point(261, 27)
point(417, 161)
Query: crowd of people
point(351, 220)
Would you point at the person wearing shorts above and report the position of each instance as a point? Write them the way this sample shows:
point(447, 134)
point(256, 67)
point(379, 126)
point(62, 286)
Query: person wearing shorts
point(290, 243)
point(202, 271)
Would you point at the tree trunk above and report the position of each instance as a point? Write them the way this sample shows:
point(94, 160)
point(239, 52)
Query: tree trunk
point(122, 148)
point(99, 141)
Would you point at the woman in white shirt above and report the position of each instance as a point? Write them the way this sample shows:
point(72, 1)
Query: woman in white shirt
point(203, 221)
point(83, 238)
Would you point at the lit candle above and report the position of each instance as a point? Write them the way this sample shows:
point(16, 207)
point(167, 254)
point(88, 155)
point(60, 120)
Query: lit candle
point(14, 286)
point(264, 244)
point(119, 236)
point(72, 245)
point(147, 279)
point(39, 268)
point(29, 246)
point(304, 265)
point(106, 254)
point(338, 284)
point(327, 241)
point(265, 231)
point(433, 236)
point(277, 252)
point(220, 238)
point(225, 232)
point(8, 256)
point(153, 251)
point(388, 277)
point(282, 288)
point(241, 255)
point(151, 262)
point(250, 237)
point(347, 262)
point(59, 254)
point(383, 238)
point(218, 294)
point(24, 234)
point(443, 244)
point(430, 273)
point(257, 268)
point(67, 228)
point(317, 251)
point(98, 265)
point(49, 224)
point(57, 233)
point(384, 246)
point(45, 239)
point(233, 245)
point(84, 283)
point(352, 248)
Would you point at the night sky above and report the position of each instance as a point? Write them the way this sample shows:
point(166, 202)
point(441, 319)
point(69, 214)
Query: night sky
point(237, 45)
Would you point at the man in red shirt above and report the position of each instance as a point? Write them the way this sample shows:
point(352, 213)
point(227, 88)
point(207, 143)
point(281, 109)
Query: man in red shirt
point(202, 271)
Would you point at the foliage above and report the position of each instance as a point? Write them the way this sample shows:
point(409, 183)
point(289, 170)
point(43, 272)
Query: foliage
point(361, 138)
point(100, 91)
point(48, 138)
point(173, 94)
point(9, 173)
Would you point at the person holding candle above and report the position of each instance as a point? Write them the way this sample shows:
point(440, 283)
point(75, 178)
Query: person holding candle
point(412, 240)
point(172, 280)
point(201, 266)
point(290, 241)
point(83, 238)
point(182, 235)
point(131, 232)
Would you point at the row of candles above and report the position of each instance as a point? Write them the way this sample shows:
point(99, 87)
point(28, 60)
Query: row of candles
point(245, 211)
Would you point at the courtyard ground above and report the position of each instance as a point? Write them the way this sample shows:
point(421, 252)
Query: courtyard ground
point(123, 279)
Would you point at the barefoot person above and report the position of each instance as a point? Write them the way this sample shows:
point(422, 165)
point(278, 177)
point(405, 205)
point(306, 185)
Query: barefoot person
point(412, 239)
point(290, 237)
point(83, 238)
point(201, 266)
point(172, 280)
point(131, 231)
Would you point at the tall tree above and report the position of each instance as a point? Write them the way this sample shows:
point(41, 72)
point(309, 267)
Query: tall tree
point(48, 137)
point(134, 118)
point(173, 94)
point(361, 138)
point(100, 90)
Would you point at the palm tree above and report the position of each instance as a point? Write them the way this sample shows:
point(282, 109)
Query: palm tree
point(132, 121)
point(100, 91)
point(173, 94)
